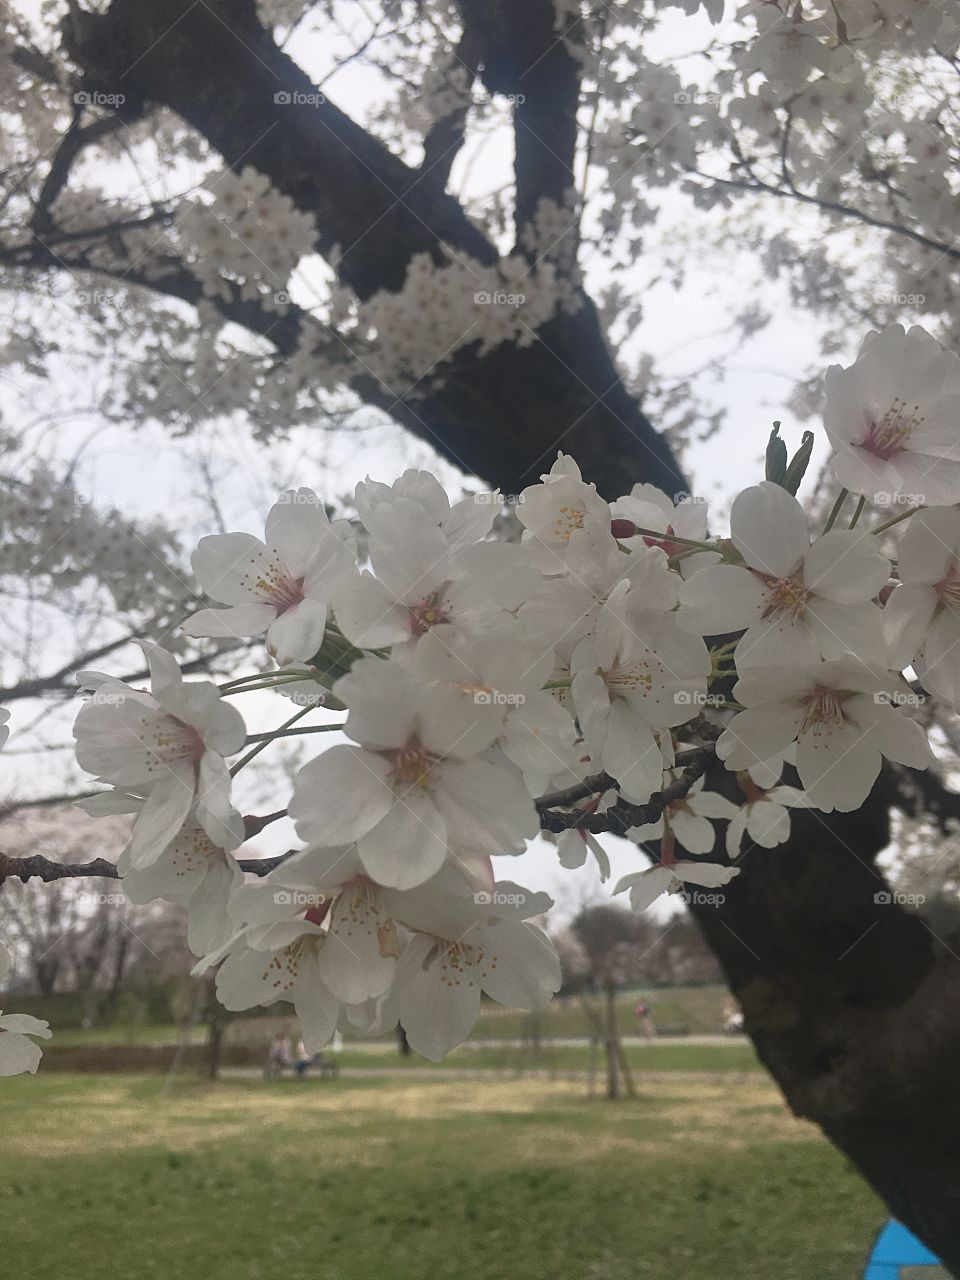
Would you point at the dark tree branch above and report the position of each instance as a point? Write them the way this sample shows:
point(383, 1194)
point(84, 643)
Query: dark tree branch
point(56, 682)
point(622, 815)
point(77, 137)
point(36, 867)
point(527, 60)
point(760, 187)
point(443, 142)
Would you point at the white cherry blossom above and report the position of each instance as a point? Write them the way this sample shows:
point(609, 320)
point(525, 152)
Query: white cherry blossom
point(552, 511)
point(168, 747)
point(462, 949)
point(646, 886)
point(921, 619)
point(18, 1052)
point(315, 931)
point(415, 789)
point(420, 580)
point(276, 957)
point(764, 817)
point(565, 609)
point(686, 517)
point(892, 419)
point(357, 953)
point(461, 523)
point(637, 675)
point(573, 847)
point(282, 587)
point(688, 821)
point(843, 718)
point(197, 874)
point(490, 687)
point(797, 601)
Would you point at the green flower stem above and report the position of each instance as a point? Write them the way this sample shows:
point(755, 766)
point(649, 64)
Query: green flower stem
point(293, 733)
point(832, 517)
point(904, 515)
point(255, 751)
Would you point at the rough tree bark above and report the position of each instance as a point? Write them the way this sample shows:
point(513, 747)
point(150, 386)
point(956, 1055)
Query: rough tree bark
point(852, 1004)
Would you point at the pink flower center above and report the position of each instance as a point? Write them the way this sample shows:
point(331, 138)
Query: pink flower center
point(752, 793)
point(786, 597)
point(192, 850)
point(286, 594)
point(166, 739)
point(431, 611)
point(276, 585)
point(455, 960)
point(824, 709)
point(410, 766)
point(888, 436)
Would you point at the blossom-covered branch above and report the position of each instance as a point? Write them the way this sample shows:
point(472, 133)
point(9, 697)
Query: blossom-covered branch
point(563, 686)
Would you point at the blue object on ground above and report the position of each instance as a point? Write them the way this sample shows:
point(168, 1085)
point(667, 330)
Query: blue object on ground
point(899, 1255)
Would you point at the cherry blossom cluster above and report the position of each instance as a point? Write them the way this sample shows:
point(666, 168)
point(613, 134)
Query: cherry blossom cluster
point(51, 529)
point(443, 308)
point(249, 233)
point(619, 668)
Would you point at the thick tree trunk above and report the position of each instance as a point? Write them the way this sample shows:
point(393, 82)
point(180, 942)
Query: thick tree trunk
point(854, 1008)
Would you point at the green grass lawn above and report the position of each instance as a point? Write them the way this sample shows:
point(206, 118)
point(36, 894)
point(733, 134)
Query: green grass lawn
point(416, 1179)
point(660, 1055)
